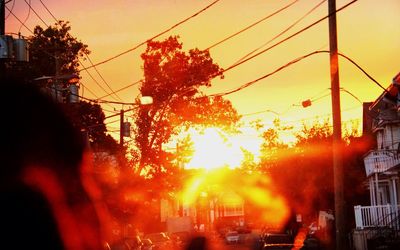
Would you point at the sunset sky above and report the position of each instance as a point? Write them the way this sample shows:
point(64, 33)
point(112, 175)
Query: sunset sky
point(368, 33)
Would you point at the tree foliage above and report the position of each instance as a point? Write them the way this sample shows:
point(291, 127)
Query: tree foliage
point(90, 117)
point(303, 172)
point(55, 46)
point(174, 78)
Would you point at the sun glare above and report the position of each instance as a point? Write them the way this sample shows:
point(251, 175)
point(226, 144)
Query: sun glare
point(213, 149)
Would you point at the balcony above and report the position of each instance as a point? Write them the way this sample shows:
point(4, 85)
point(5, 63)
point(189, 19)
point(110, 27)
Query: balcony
point(376, 216)
point(379, 161)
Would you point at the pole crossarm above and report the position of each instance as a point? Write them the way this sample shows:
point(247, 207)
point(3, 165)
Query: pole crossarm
point(126, 110)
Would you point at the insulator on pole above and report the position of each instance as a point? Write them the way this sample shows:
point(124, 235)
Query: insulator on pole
point(73, 93)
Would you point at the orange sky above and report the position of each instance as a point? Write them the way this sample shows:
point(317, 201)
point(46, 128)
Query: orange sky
point(368, 32)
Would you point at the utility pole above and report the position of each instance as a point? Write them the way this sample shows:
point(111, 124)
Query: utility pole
point(121, 128)
point(2, 17)
point(2, 33)
point(337, 130)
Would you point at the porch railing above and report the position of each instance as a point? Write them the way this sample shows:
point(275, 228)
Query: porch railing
point(378, 161)
point(375, 216)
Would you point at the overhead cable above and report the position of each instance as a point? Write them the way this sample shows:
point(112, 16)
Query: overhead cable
point(12, 13)
point(104, 80)
point(90, 61)
point(48, 11)
point(252, 25)
point(123, 88)
point(41, 19)
point(91, 100)
point(289, 37)
point(12, 7)
point(27, 17)
point(293, 62)
point(281, 33)
point(152, 38)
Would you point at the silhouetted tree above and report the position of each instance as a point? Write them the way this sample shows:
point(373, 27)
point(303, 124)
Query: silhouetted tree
point(173, 78)
point(303, 173)
point(52, 44)
point(54, 47)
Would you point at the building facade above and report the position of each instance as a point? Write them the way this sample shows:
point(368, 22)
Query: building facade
point(378, 224)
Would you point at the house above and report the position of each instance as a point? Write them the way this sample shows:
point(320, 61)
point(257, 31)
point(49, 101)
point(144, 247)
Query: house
point(378, 225)
point(226, 208)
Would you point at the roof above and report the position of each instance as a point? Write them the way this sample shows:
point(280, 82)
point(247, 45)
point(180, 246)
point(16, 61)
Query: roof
point(389, 96)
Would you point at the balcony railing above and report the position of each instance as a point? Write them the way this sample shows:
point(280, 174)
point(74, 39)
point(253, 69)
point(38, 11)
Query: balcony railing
point(379, 161)
point(376, 216)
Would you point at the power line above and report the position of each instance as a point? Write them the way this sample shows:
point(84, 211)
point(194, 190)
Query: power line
point(123, 88)
point(95, 100)
point(104, 80)
point(252, 25)
point(348, 92)
point(110, 122)
point(214, 45)
point(248, 27)
point(276, 12)
point(111, 111)
point(30, 7)
point(293, 62)
point(152, 38)
point(12, 7)
point(359, 67)
point(12, 13)
point(318, 116)
point(261, 112)
point(48, 11)
point(313, 117)
point(91, 92)
point(90, 61)
point(288, 38)
point(313, 99)
point(26, 19)
point(281, 33)
point(90, 100)
point(95, 81)
point(267, 75)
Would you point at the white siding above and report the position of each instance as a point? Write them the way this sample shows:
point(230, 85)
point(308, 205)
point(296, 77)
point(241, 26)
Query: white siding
point(390, 137)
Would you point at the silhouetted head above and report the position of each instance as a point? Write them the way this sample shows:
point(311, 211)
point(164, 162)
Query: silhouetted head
point(197, 243)
point(43, 202)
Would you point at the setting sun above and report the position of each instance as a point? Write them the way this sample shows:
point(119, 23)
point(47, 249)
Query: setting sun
point(215, 149)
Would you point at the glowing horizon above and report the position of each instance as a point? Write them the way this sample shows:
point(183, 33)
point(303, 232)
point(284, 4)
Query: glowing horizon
point(109, 29)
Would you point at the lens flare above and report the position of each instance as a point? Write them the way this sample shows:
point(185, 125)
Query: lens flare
point(233, 188)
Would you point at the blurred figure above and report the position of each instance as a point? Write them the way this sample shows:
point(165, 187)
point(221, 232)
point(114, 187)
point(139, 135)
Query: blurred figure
point(44, 204)
point(197, 243)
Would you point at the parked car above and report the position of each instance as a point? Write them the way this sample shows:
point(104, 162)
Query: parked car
point(277, 241)
point(232, 237)
point(159, 240)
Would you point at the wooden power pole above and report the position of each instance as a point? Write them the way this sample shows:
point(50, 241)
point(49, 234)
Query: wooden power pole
point(2, 32)
point(2, 17)
point(337, 130)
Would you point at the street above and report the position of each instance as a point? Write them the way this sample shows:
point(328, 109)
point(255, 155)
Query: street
point(247, 242)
